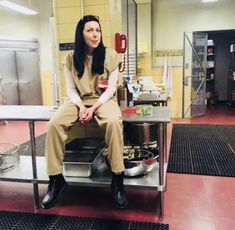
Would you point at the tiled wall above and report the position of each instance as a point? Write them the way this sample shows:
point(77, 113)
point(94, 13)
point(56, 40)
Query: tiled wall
point(68, 13)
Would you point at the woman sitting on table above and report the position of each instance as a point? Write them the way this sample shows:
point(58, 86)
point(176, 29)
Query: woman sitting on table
point(84, 68)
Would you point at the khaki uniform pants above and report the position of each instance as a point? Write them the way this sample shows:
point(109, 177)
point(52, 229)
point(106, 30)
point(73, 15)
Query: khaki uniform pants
point(109, 118)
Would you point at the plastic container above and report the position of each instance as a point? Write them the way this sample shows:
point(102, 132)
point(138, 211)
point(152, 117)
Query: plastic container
point(144, 109)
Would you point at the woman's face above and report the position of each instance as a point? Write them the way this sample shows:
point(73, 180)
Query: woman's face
point(92, 35)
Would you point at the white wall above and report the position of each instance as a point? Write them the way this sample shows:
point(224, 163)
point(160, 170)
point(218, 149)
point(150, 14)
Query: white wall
point(172, 18)
point(19, 26)
point(45, 33)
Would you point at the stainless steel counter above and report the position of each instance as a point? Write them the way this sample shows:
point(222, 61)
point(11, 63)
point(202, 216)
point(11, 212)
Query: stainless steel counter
point(159, 115)
point(26, 112)
point(155, 180)
point(31, 114)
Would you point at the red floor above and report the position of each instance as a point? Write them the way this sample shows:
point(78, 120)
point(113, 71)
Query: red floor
point(192, 202)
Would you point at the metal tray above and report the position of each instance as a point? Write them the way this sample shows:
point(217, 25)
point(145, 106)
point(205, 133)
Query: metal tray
point(83, 157)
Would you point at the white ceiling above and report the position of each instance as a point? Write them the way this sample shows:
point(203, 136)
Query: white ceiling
point(35, 4)
point(27, 2)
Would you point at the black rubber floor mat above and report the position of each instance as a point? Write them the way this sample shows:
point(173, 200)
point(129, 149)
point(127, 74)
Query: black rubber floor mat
point(203, 149)
point(25, 221)
point(40, 146)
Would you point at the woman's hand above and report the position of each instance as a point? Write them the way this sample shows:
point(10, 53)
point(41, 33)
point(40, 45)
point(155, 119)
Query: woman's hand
point(82, 112)
point(88, 114)
point(85, 114)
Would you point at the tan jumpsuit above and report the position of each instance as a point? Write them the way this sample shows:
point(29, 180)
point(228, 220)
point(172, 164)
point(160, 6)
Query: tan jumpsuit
point(108, 116)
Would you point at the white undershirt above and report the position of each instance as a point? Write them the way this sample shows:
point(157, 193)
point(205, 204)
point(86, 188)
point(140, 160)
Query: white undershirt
point(72, 92)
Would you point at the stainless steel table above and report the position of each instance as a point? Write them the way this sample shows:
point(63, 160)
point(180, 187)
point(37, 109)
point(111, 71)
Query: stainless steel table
point(161, 116)
point(30, 114)
point(27, 171)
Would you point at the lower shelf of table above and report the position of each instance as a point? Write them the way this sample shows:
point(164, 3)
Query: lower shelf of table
point(23, 173)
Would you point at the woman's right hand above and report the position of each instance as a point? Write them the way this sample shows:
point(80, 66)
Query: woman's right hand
point(82, 111)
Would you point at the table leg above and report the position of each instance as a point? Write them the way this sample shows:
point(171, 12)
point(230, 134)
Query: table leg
point(161, 135)
point(34, 164)
point(161, 205)
point(165, 143)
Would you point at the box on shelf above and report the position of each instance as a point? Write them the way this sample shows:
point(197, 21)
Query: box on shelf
point(233, 96)
point(210, 42)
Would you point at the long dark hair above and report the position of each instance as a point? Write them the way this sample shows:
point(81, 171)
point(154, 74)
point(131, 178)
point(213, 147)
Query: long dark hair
point(80, 46)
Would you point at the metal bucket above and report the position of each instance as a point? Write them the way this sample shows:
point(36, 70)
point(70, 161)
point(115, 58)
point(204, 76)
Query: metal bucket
point(142, 133)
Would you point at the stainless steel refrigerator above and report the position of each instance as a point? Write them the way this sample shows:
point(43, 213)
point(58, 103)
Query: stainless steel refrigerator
point(19, 67)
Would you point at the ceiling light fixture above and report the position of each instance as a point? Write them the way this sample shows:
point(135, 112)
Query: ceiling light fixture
point(206, 1)
point(18, 8)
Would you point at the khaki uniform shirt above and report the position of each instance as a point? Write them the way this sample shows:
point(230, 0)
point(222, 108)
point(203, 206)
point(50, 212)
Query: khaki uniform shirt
point(87, 86)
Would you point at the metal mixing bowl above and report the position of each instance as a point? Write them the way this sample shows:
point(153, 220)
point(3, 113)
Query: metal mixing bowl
point(138, 161)
point(9, 156)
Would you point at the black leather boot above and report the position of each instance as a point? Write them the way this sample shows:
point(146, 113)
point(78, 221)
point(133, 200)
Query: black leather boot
point(56, 186)
point(118, 192)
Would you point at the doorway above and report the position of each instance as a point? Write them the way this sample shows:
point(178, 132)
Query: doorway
point(216, 78)
point(220, 86)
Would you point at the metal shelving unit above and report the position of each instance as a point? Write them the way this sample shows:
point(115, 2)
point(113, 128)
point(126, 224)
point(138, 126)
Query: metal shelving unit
point(23, 172)
point(210, 73)
point(198, 82)
point(231, 79)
